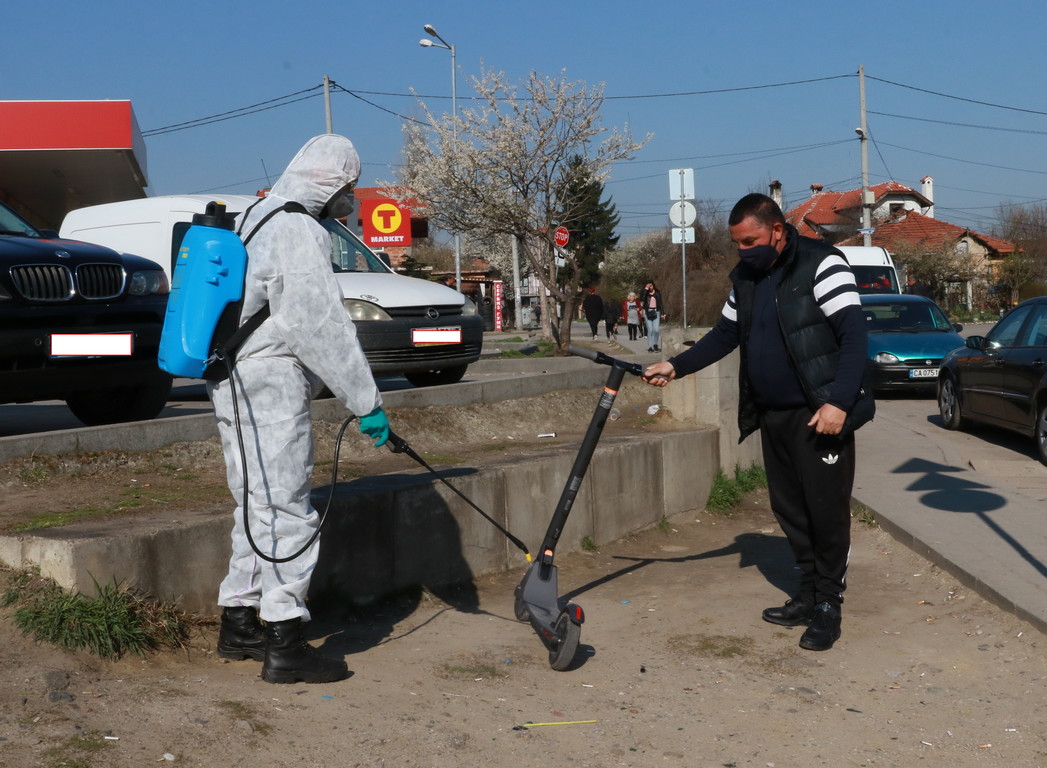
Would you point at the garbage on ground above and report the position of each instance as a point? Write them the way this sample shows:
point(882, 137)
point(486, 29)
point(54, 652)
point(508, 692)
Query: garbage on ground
point(547, 434)
point(653, 409)
point(525, 726)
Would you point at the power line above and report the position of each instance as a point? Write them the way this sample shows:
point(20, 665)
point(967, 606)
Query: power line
point(959, 125)
point(233, 113)
point(725, 90)
point(958, 98)
point(356, 95)
point(964, 160)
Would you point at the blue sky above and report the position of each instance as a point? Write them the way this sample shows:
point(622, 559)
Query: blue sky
point(928, 65)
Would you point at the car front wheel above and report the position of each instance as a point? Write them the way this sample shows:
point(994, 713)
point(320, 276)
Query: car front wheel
point(138, 402)
point(949, 403)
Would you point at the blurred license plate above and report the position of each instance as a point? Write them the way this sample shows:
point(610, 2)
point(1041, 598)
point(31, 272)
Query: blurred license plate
point(424, 336)
point(91, 344)
point(923, 373)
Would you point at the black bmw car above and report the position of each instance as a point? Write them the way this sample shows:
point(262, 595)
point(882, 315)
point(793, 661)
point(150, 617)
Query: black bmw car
point(1001, 378)
point(79, 323)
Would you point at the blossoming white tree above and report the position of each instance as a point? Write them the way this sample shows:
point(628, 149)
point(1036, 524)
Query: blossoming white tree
point(495, 169)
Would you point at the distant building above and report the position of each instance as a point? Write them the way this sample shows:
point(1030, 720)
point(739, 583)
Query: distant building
point(836, 216)
point(903, 222)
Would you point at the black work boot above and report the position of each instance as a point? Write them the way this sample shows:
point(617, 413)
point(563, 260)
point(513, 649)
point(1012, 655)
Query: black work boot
point(824, 629)
point(241, 635)
point(795, 612)
point(289, 659)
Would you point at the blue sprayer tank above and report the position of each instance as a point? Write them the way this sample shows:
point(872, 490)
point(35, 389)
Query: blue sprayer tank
point(207, 286)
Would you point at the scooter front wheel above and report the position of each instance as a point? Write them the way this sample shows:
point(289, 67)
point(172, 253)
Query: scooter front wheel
point(568, 634)
point(520, 607)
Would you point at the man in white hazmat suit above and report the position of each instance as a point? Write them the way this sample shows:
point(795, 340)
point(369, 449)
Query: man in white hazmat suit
point(307, 341)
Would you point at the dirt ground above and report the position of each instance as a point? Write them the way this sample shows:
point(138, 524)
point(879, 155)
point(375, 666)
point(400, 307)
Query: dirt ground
point(676, 666)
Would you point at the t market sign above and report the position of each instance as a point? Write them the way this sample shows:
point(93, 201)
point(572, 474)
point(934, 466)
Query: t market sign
point(386, 223)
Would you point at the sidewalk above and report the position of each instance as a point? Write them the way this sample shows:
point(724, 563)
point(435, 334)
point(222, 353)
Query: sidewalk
point(967, 504)
point(972, 507)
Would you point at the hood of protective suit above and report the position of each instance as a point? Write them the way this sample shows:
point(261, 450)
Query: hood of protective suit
point(321, 169)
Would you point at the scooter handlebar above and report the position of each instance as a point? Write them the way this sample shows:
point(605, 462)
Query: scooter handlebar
point(604, 359)
point(591, 354)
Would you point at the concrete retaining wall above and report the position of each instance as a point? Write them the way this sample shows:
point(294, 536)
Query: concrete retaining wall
point(389, 532)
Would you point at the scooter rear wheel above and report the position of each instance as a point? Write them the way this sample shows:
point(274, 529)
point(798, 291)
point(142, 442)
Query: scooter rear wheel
point(568, 634)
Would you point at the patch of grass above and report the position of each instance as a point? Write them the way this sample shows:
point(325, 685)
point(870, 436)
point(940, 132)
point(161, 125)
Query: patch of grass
point(727, 493)
point(44, 520)
point(750, 479)
point(863, 514)
point(724, 495)
point(472, 669)
point(718, 646)
point(34, 474)
point(77, 751)
point(132, 499)
point(494, 447)
point(238, 710)
point(117, 621)
point(538, 349)
point(588, 545)
point(664, 525)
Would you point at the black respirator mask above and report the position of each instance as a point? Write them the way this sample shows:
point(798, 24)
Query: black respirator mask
point(759, 257)
point(339, 206)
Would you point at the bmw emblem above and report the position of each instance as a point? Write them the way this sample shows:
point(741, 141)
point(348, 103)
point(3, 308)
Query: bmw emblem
point(63, 254)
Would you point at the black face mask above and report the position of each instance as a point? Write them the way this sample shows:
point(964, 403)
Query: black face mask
point(759, 257)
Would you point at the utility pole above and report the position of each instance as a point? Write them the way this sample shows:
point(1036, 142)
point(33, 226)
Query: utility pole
point(863, 133)
point(516, 282)
point(327, 104)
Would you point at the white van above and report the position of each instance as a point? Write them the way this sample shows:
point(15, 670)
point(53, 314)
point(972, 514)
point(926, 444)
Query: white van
point(873, 268)
point(386, 308)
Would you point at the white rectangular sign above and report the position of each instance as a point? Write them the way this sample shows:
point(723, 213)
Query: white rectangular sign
point(681, 184)
point(91, 344)
point(683, 234)
point(436, 335)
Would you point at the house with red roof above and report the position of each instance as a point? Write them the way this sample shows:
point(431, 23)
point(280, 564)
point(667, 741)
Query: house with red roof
point(835, 216)
point(903, 222)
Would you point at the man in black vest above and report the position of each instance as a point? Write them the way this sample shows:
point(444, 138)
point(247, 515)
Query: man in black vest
point(794, 311)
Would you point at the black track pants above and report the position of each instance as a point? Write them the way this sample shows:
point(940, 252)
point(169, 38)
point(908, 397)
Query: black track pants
point(809, 477)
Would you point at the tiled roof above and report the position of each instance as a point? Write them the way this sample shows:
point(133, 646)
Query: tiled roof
point(913, 228)
point(825, 208)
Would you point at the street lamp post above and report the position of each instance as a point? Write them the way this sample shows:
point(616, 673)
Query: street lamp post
point(425, 42)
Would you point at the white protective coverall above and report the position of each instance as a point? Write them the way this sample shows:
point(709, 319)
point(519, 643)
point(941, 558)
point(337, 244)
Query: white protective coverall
point(308, 339)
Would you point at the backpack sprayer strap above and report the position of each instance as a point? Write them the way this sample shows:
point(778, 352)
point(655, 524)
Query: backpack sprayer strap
point(223, 357)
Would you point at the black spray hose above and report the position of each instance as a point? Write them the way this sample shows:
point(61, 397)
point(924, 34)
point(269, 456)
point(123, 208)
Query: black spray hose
point(398, 445)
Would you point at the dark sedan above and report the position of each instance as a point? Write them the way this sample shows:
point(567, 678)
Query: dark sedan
point(79, 323)
point(908, 337)
point(1001, 378)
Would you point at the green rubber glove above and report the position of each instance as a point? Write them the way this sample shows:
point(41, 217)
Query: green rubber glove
point(376, 426)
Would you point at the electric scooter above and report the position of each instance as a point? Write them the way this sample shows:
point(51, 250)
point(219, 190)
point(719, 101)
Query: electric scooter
point(559, 622)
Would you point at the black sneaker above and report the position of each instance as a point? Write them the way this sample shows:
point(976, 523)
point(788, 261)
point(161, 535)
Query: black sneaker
point(824, 629)
point(795, 612)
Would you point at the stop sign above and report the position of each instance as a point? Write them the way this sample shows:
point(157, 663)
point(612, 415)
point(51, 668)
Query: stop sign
point(561, 236)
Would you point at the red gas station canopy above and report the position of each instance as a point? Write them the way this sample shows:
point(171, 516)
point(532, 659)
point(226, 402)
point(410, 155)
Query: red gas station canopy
point(59, 155)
